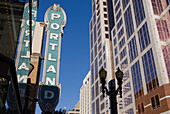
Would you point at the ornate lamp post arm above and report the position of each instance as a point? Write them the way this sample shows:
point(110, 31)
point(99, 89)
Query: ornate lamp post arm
point(112, 92)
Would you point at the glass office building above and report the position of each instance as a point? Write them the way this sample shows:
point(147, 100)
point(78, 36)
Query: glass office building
point(141, 48)
point(100, 55)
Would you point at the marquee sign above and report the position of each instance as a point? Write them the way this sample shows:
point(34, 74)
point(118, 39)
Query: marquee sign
point(23, 55)
point(22, 59)
point(55, 19)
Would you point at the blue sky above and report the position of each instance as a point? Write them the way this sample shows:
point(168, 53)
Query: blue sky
point(75, 53)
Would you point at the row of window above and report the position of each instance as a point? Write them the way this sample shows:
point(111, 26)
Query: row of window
point(144, 41)
point(155, 102)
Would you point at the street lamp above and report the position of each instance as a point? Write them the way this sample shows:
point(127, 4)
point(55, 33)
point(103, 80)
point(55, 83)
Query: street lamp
point(112, 92)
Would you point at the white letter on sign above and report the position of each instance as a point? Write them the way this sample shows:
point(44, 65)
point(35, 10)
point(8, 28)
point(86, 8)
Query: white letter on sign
point(50, 81)
point(55, 26)
point(54, 35)
point(23, 66)
point(26, 43)
point(54, 15)
point(27, 55)
point(53, 46)
point(51, 69)
point(28, 22)
point(49, 57)
point(24, 78)
point(48, 94)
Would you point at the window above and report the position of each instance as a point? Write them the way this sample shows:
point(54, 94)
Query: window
point(106, 28)
point(100, 46)
point(116, 51)
point(92, 93)
point(100, 62)
point(124, 64)
point(95, 50)
point(98, 34)
point(96, 69)
point(128, 22)
point(94, 7)
point(129, 111)
point(126, 88)
point(121, 43)
point(163, 29)
point(128, 100)
point(115, 1)
point(125, 2)
point(123, 53)
point(139, 11)
point(157, 7)
point(120, 105)
point(166, 54)
point(99, 39)
point(96, 88)
point(93, 108)
point(91, 57)
point(98, 12)
point(119, 24)
point(137, 80)
point(126, 76)
point(105, 22)
point(102, 106)
point(132, 47)
point(105, 15)
point(91, 40)
point(117, 60)
point(98, 26)
point(98, 19)
point(104, 3)
point(155, 102)
point(117, 7)
point(94, 18)
point(106, 35)
point(2, 23)
point(150, 71)
point(97, 106)
point(118, 15)
point(95, 37)
point(144, 39)
point(92, 74)
point(120, 33)
point(140, 108)
point(105, 9)
point(114, 32)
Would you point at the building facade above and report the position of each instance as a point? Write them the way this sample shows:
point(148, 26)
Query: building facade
point(100, 55)
point(85, 95)
point(10, 21)
point(76, 109)
point(141, 48)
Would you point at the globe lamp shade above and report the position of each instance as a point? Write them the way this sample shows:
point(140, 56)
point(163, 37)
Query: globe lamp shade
point(102, 74)
point(119, 74)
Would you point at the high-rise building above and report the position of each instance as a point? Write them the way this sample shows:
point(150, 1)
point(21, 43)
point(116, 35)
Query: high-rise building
point(100, 55)
point(85, 95)
point(76, 109)
point(141, 48)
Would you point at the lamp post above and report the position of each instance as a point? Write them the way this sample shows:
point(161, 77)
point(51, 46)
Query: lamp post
point(112, 92)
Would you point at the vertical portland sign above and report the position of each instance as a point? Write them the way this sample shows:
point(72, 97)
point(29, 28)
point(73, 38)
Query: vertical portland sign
point(22, 59)
point(55, 20)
